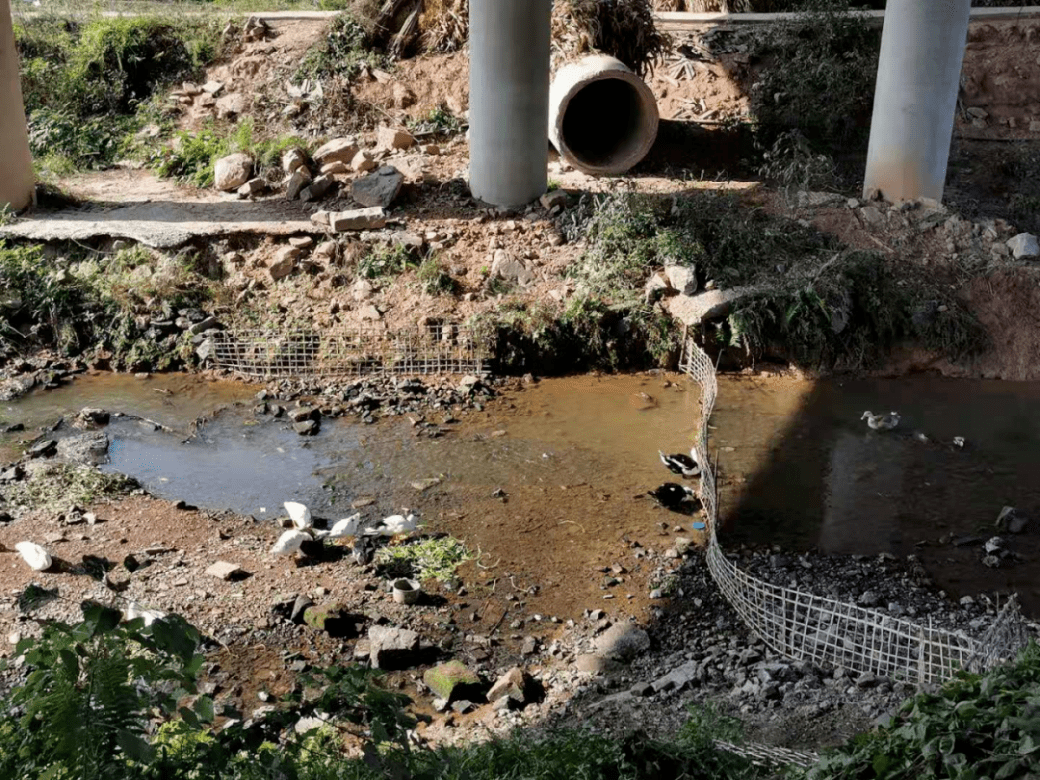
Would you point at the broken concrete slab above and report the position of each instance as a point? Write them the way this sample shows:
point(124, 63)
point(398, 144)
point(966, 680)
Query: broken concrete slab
point(224, 570)
point(358, 219)
point(163, 225)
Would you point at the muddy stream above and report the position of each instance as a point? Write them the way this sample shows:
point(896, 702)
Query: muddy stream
point(547, 484)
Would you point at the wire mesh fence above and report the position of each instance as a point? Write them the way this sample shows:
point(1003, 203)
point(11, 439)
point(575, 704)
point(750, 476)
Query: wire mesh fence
point(807, 627)
point(441, 348)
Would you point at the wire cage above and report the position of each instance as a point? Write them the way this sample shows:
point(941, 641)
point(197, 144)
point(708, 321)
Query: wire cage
point(438, 348)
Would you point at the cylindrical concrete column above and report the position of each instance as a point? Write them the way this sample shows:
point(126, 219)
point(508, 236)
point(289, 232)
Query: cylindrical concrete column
point(922, 50)
point(16, 173)
point(508, 100)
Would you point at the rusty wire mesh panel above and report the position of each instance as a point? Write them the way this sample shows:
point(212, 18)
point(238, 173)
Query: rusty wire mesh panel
point(804, 626)
point(444, 348)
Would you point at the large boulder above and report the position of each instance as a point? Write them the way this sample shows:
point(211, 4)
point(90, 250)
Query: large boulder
point(452, 681)
point(379, 188)
point(88, 448)
point(622, 642)
point(513, 685)
point(336, 150)
point(233, 171)
point(392, 648)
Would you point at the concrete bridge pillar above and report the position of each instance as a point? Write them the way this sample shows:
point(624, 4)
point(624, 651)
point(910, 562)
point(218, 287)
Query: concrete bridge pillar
point(922, 50)
point(16, 174)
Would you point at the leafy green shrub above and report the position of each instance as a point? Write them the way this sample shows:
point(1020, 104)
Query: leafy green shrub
point(433, 279)
point(83, 83)
point(437, 120)
point(975, 726)
point(91, 691)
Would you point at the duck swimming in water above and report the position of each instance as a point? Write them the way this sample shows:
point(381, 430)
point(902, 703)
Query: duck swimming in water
point(673, 496)
point(683, 465)
point(881, 422)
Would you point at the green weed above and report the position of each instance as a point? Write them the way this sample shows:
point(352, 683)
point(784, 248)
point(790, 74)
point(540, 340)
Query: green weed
point(425, 559)
point(433, 279)
point(192, 156)
point(61, 486)
point(83, 83)
point(385, 261)
point(439, 120)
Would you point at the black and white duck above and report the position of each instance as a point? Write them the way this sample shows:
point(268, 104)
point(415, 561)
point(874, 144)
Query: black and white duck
point(881, 422)
point(673, 496)
point(683, 465)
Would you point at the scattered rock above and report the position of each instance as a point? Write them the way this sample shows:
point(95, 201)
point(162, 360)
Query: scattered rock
point(300, 178)
point(307, 427)
point(452, 680)
point(299, 608)
point(88, 448)
point(333, 619)
point(43, 449)
point(293, 159)
point(334, 168)
point(512, 685)
point(655, 288)
point(363, 162)
point(622, 642)
point(225, 571)
point(317, 189)
point(551, 200)
point(529, 646)
point(681, 278)
point(358, 219)
point(403, 96)
point(709, 305)
point(251, 188)
point(1011, 520)
point(284, 263)
point(1024, 245)
point(392, 648)
point(391, 138)
point(379, 188)
point(336, 150)
point(233, 171)
point(508, 268)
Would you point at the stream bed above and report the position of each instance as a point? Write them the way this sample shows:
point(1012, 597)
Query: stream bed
point(549, 479)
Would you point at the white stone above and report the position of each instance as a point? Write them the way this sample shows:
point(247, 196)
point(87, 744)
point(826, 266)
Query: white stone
point(358, 219)
point(681, 278)
point(224, 570)
point(336, 150)
point(362, 162)
point(292, 160)
point(1024, 245)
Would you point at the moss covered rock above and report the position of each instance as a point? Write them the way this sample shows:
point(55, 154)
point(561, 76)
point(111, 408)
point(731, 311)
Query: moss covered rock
point(451, 680)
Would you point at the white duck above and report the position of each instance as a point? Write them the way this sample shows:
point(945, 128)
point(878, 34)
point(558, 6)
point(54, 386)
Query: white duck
point(881, 422)
point(34, 555)
point(290, 542)
point(134, 610)
point(393, 526)
point(299, 514)
point(348, 526)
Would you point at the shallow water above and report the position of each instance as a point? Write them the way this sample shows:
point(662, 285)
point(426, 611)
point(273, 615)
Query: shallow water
point(575, 456)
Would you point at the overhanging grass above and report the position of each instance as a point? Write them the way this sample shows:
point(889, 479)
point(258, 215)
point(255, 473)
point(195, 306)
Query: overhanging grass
point(816, 301)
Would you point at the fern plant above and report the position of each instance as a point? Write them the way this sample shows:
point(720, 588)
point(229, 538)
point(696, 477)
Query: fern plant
point(92, 692)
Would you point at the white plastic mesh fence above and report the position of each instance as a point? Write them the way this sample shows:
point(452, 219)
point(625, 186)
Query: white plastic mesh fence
point(807, 627)
point(443, 348)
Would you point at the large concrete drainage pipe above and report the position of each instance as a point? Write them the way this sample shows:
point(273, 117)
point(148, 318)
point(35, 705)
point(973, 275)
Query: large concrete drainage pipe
point(602, 117)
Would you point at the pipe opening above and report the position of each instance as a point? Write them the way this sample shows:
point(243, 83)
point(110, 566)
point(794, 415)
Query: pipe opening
point(606, 122)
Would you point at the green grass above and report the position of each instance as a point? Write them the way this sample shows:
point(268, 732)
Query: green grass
point(60, 487)
point(438, 120)
point(386, 261)
point(346, 49)
point(87, 84)
point(433, 279)
point(425, 559)
point(818, 303)
point(91, 302)
point(192, 156)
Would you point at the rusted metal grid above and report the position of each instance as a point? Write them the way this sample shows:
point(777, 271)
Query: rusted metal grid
point(446, 348)
point(804, 626)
